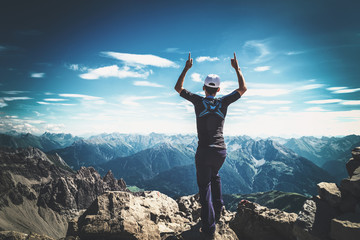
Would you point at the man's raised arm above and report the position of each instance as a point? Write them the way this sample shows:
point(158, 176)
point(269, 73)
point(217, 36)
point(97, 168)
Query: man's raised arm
point(242, 86)
point(180, 81)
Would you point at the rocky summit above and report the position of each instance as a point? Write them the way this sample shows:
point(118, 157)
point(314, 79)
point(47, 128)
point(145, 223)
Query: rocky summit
point(48, 202)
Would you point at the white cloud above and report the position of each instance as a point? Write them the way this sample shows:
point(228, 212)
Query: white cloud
point(147, 84)
point(335, 88)
point(228, 86)
point(270, 102)
point(324, 101)
point(142, 59)
point(262, 69)
point(16, 98)
point(56, 104)
point(55, 99)
point(256, 49)
point(310, 87)
point(255, 107)
point(315, 109)
point(207, 58)
point(37, 75)
point(112, 71)
point(267, 92)
point(196, 77)
point(351, 102)
point(347, 90)
point(2, 103)
point(294, 53)
point(13, 92)
point(82, 96)
point(132, 100)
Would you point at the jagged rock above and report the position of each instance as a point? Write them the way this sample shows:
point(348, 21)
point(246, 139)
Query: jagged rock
point(253, 221)
point(13, 235)
point(348, 202)
point(117, 215)
point(352, 184)
point(356, 153)
point(330, 193)
point(190, 205)
point(346, 227)
point(78, 191)
point(351, 165)
point(146, 215)
point(113, 184)
point(313, 222)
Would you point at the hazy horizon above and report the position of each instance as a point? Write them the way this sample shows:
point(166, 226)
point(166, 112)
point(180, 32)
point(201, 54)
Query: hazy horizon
point(94, 67)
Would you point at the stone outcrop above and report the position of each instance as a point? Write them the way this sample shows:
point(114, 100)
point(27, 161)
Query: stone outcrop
point(253, 221)
point(147, 215)
point(335, 212)
point(79, 191)
point(39, 195)
point(13, 235)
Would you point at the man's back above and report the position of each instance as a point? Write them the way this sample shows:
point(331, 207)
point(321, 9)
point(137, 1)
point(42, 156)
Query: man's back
point(210, 116)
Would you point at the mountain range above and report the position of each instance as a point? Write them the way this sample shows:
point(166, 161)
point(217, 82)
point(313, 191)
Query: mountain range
point(165, 162)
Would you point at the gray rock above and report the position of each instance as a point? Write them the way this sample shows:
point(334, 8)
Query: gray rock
point(147, 215)
point(13, 235)
point(352, 184)
point(351, 165)
point(313, 222)
point(346, 227)
point(253, 221)
point(330, 193)
point(356, 153)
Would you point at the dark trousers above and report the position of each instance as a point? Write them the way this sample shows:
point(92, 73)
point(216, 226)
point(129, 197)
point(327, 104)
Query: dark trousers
point(208, 163)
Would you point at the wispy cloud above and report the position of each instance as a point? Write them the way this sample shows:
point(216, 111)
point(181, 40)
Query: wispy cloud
point(13, 92)
point(55, 99)
point(310, 87)
point(207, 58)
point(16, 98)
point(351, 102)
point(196, 77)
point(82, 96)
point(55, 103)
point(76, 67)
point(256, 49)
point(267, 92)
point(294, 53)
point(37, 75)
point(174, 50)
point(343, 90)
point(132, 100)
point(270, 102)
point(147, 84)
point(2, 103)
point(262, 69)
point(335, 88)
point(315, 109)
point(2, 48)
point(324, 101)
point(141, 59)
point(113, 71)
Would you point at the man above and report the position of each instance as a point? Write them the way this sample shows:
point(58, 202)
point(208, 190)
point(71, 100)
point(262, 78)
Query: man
point(211, 152)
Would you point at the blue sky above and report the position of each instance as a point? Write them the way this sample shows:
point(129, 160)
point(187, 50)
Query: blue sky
point(88, 67)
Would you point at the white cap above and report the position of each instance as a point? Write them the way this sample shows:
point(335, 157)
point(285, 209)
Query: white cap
point(212, 80)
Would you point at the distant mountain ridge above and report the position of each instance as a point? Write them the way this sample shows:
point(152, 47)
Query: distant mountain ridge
point(45, 142)
point(165, 162)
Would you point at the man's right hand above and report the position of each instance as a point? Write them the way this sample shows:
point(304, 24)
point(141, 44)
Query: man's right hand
point(189, 62)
